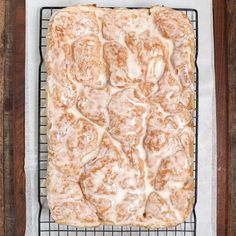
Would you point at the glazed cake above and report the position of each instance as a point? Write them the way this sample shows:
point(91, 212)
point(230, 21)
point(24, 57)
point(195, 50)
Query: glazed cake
point(120, 102)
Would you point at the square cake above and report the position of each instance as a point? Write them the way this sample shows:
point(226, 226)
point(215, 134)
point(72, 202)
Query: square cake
point(120, 103)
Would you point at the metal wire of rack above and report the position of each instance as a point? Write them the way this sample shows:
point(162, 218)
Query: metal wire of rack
point(46, 225)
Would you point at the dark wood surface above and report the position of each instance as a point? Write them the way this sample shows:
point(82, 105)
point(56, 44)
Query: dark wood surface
point(222, 114)
point(2, 69)
point(19, 116)
point(225, 67)
point(12, 52)
point(12, 147)
point(231, 32)
point(9, 226)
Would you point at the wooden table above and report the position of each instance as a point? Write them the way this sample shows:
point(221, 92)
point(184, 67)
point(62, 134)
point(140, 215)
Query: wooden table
point(12, 54)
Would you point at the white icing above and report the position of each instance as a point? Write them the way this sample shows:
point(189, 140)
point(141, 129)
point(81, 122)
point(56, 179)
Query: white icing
point(155, 69)
point(134, 70)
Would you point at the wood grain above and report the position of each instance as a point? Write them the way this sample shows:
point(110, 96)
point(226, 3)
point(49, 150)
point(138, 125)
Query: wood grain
point(2, 75)
point(12, 118)
point(19, 116)
point(222, 114)
point(9, 227)
point(231, 32)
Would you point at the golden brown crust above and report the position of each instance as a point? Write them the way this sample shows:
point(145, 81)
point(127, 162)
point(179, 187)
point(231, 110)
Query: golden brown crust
point(120, 106)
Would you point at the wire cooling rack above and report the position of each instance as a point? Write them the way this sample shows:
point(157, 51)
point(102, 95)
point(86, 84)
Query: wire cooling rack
point(46, 226)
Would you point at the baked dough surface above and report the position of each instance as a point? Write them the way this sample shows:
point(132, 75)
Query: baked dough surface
point(120, 102)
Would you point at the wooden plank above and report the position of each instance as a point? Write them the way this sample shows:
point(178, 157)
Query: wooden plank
point(19, 116)
point(2, 74)
point(231, 32)
point(10, 226)
point(222, 114)
point(14, 179)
